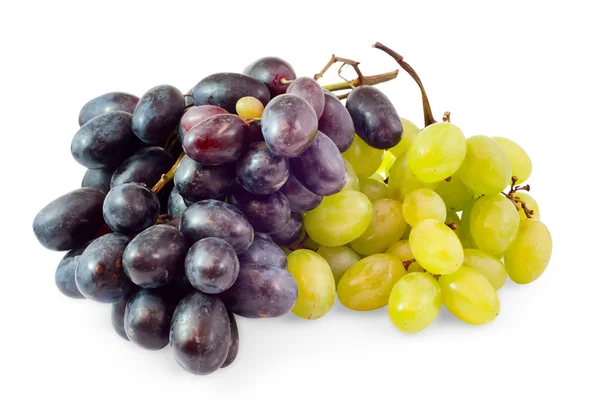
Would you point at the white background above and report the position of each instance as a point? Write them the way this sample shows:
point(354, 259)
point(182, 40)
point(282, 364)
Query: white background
point(521, 69)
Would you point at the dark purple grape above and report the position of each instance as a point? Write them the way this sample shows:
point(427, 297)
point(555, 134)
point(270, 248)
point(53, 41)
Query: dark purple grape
point(270, 71)
point(226, 88)
point(214, 218)
point(301, 199)
point(114, 101)
point(321, 168)
point(70, 220)
point(99, 274)
point(188, 99)
point(200, 333)
point(157, 114)
point(264, 251)
point(65, 273)
point(291, 232)
point(289, 125)
point(255, 132)
point(155, 256)
point(336, 123)
point(261, 291)
point(146, 166)
point(117, 316)
point(176, 205)
point(196, 182)
point(98, 179)
point(261, 171)
point(211, 265)
point(130, 208)
point(267, 213)
point(194, 115)
point(309, 90)
point(375, 118)
point(234, 342)
point(147, 320)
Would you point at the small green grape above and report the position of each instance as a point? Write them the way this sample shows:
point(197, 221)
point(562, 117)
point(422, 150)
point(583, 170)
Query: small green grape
point(436, 247)
point(488, 266)
point(339, 258)
point(486, 168)
point(373, 189)
point(414, 302)
point(423, 204)
point(364, 158)
point(408, 136)
point(386, 227)
point(351, 178)
point(455, 193)
point(401, 181)
point(528, 256)
point(520, 163)
point(530, 203)
point(494, 223)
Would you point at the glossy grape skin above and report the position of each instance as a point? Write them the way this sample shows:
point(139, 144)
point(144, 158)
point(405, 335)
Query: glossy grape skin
point(409, 133)
point(194, 115)
point(339, 259)
point(387, 227)
point(146, 166)
point(117, 316)
point(423, 204)
point(200, 333)
point(528, 256)
point(261, 171)
point(493, 223)
point(99, 274)
point(301, 199)
point(214, 218)
point(196, 182)
point(455, 193)
point(336, 122)
point(486, 168)
point(226, 88)
point(65, 273)
point(520, 163)
point(261, 291)
point(157, 114)
point(436, 247)
point(211, 265)
point(414, 302)
point(364, 158)
point(177, 204)
point(270, 71)
point(375, 118)
point(373, 189)
point(130, 208)
point(309, 90)
point(368, 283)
point(113, 101)
point(267, 213)
point(147, 320)
point(98, 179)
point(234, 342)
point(265, 252)
point(487, 265)
point(402, 181)
point(70, 220)
point(531, 205)
point(291, 232)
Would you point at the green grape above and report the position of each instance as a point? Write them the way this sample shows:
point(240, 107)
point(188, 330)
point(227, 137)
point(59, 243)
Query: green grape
point(386, 164)
point(339, 219)
point(436, 247)
point(408, 136)
point(406, 233)
point(461, 231)
point(470, 296)
point(373, 189)
point(364, 158)
point(414, 302)
point(386, 227)
point(316, 285)
point(530, 203)
point(339, 258)
point(437, 152)
point(520, 163)
point(309, 244)
point(423, 204)
point(368, 283)
point(493, 223)
point(455, 193)
point(486, 169)
point(401, 249)
point(351, 178)
point(415, 267)
point(488, 266)
point(465, 225)
point(527, 257)
point(401, 181)
point(376, 177)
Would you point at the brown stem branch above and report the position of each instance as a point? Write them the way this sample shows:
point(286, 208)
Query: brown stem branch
point(370, 80)
point(408, 263)
point(168, 177)
point(345, 61)
point(519, 204)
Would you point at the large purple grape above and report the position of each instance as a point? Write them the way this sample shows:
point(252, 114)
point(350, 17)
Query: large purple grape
point(261, 171)
point(291, 232)
point(65, 273)
point(264, 251)
point(211, 265)
point(194, 115)
point(114, 101)
point(130, 208)
point(177, 204)
point(117, 316)
point(157, 114)
point(196, 182)
point(301, 199)
point(226, 88)
point(267, 213)
point(146, 166)
point(311, 91)
point(270, 71)
point(147, 320)
point(234, 342)
point(336, 123)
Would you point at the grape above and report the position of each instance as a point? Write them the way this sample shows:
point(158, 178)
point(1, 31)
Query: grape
point(291, 232)
point(469, 296)
point(226, 88)
point(200, 333)
point(401, 249)
point(402, 181)
point(368, 283)
point(261, 291)
point(194, 115)
point(488, 266)
point(147, 320)
point(316, 285)
point(146, 166)
point(65, 273)
point(375, 118)
point(196, 182)
point(455, 193)
point(189, 99)
point(301, 199)
point(352, 181)
point(436, 247)
point(378, 177)
point(234, 342)
point(423, 204)
point(218, 140)
point(270, 71)
point(493, 223)
point(130, 208)
point(70, 220)
point(331, 223)
point(289, 125)
point(262, 172)
point(415, 267)
point(249, 107)
point(461, 230)
point(114, 101)
point(99, 274)
point(414, 302)
point(177, 204)
point(212, 265)
point(373, 189)
point(527, 257)
point(255, 132)
point(437, 152)
point(531, 205)
point(363, 157)
point(264, 251)
point(386, 164)
point(267, 213)
point(339, 258)
point(214, 218)
point(520, 163)
point(386, 227)
point(157, 114)
point(486, 169)
point(98, 179)
point(336, 122)
point(117, 316)
point(309, 90)
point(408, 136)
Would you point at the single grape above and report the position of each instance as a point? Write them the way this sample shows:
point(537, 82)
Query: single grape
point(249, 107)
point(528, 256)
point(336, 122)
point(117, 316)
point(455, 193)
point(146, 166)
point(530, 203)
point(386, 227)
point(114, 101)
point(402, 181)
point(423, 204)
point(436, 247)
point(234, 342)
point(226, 88)
point(486, 169)
point(520, 163)
point(261, 171)
point(98, 179)
point(488, 266)
point(273, 72)
point(339, 259)
point(65, 273)
point(157, 114)
point(147, 320)
point(373, 189)
point(414, 302)
point(267, 213)
point(194, 115)
point(291, 232)
point(301, 199)
point(130, 208)
point(364, 158)
point(493, 223)
point(265, 252)
point(309, 90)
point(212, 265)
point(177, 204)
point(408, 136)
point(196, 182)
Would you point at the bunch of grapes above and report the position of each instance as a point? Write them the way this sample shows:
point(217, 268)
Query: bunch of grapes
point(261, 193)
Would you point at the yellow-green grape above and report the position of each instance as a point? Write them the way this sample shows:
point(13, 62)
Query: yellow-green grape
point(486, 168)
point(339, 219)
point(530, 203)
point(406, 233)
point(401, 249)
point(465, 225)
point(249, 107)
point(415, 301)
point(520, 163)
point(455, 193)
point(487, 265)
point(386, 227)
point(401, 181)
point(470, 296)
point(461, 231)
point(364, 158)
point(339, 258)
point(376, 177)
point(436, 247)
point(386, 164)
point(373, 189)
point(310, 244)
point(368, 283)
point(351, 178)
point(437, 152)
point(316, 285)
point(493, 223)
point(415, 267)
point(527, 257)
point(423, 204)
point(408, 136)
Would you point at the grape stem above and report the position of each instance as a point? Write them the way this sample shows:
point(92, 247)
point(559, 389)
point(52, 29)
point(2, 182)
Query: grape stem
point(446, 117)
point(408, 263)
point(369, 80)
point(173, 136)
point(345, 61)
point(452, 225)
point(519, 204)
point(168, 177)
